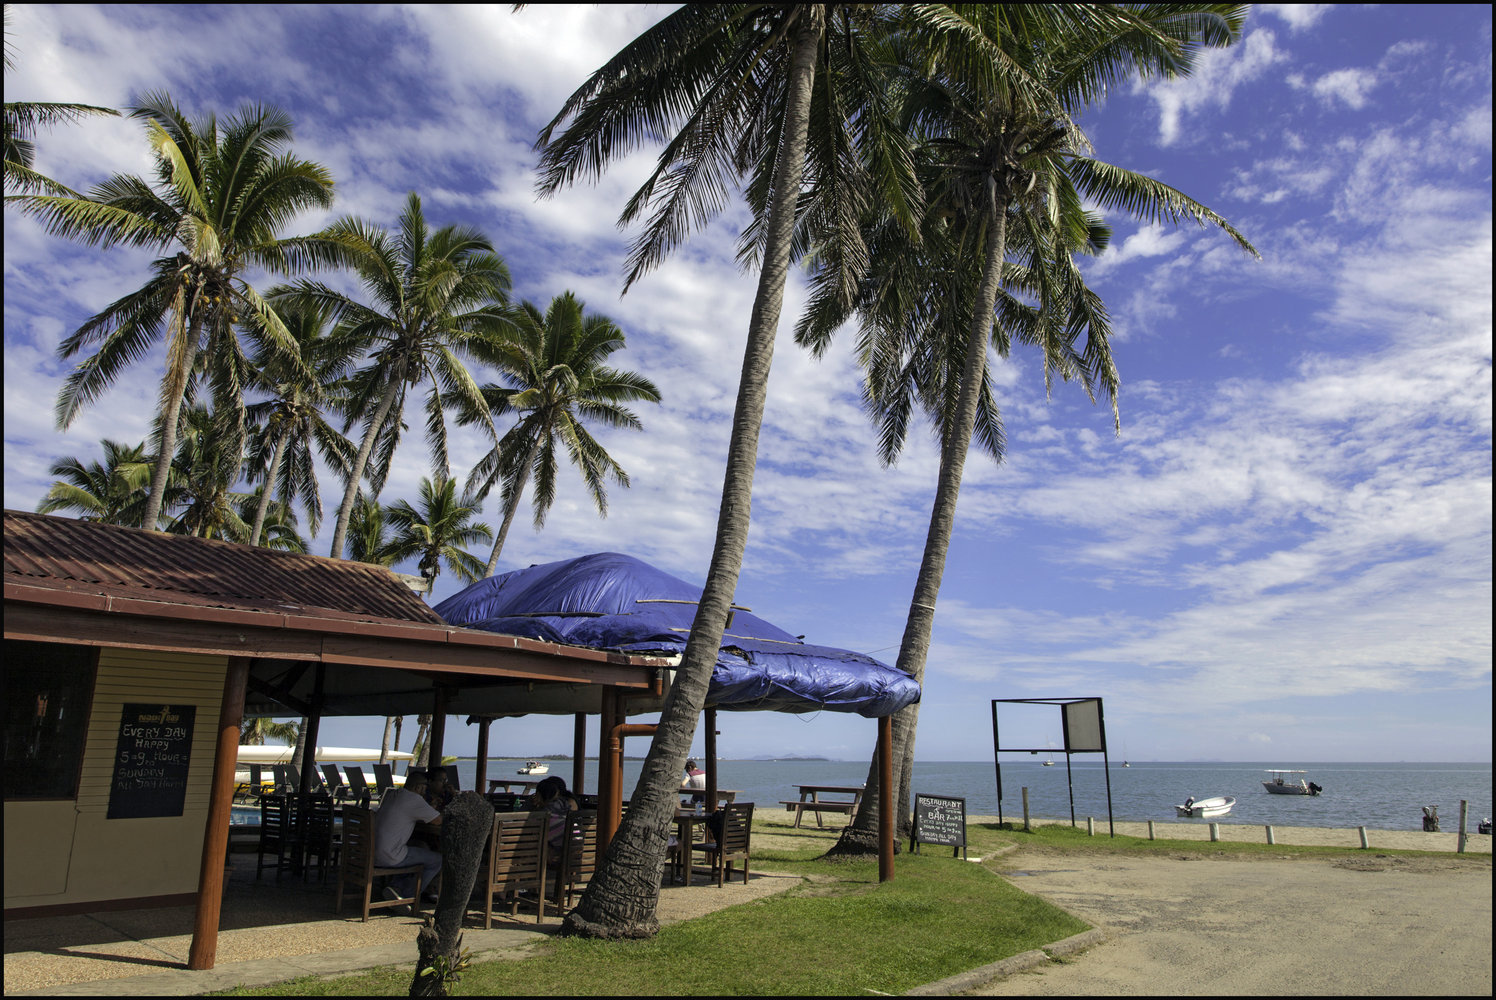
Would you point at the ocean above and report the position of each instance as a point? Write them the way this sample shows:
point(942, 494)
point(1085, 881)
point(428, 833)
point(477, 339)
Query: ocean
point(1377, 796)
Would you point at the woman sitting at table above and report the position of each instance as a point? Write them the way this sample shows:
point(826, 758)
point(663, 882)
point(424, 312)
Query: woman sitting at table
point(552, 796)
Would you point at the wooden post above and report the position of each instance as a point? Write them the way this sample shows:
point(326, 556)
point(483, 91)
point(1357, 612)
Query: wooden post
point(1271, 840)
point(309, 778)
point(1150, 829)
point(480, 775)
point(579, 752)
point(438, 736)
point(886, 793)
point(1026, 827)
point(609, 809)
point(1464, 819)
point(1090, 826)
point(204, 949)
point(711, 759)
point(1215, 832)
point(1364, 842)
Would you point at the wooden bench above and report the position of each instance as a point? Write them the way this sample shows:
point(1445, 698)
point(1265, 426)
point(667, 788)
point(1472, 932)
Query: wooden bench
point(803, 807)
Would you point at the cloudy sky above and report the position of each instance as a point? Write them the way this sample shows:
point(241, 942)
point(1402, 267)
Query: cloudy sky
point(1286, 554)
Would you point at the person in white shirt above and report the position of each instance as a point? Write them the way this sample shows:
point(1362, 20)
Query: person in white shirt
point(695, 778)
point(395, 821)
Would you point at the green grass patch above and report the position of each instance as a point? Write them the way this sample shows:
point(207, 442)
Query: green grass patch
point(838, 932)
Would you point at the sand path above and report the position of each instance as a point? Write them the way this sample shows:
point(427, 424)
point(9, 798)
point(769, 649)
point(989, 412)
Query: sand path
point(1183, 925)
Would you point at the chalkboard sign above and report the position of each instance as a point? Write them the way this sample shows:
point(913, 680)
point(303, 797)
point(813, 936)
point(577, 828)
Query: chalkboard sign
point(939, 819)
point(151, 760)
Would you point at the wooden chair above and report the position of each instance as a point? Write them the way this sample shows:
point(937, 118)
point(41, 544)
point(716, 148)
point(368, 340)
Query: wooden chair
point(733, 842)
point(275, 834)
point(317, 833)
point(384, 778)
point(358, 788)
point(578, 854)
point(357, 870)
point(515, 862)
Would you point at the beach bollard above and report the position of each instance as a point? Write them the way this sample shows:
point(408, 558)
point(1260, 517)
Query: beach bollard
point(1150, 829)
point(1464, 816)
point(1215, 832)
point(1364, 842)
point(1271, 840)
point(1090, 826)
point(1026, 827)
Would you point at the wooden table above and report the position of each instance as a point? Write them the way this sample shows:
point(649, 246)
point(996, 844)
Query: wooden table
point(724, 795)
point(505, 785)
point(810, 801)
point(686, 822)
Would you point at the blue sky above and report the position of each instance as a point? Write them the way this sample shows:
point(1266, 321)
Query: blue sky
point(1286, 555)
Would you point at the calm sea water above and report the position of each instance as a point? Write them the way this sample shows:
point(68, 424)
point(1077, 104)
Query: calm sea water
point(1378, 796)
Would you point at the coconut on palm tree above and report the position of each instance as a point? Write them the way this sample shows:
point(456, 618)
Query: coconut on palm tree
point(112, 491)
point(436, 530)
point(557, 378)
point(429, 297)
point(223, 191)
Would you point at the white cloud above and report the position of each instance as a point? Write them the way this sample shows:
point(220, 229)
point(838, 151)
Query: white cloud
point(1349, 86)
point(1298, 16)
point(1218, 73)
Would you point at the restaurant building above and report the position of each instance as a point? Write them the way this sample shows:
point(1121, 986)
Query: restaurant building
point(132, 656)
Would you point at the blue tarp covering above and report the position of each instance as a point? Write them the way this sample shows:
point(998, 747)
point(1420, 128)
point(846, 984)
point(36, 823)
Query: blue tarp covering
point(613, 601)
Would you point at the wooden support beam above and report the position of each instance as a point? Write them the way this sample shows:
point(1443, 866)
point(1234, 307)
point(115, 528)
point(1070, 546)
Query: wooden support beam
point(886, 792)
point(204, 949)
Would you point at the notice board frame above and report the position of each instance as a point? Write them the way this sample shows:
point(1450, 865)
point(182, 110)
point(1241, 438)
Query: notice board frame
point(152, 761)
point(1084, 726)
point(958, 850)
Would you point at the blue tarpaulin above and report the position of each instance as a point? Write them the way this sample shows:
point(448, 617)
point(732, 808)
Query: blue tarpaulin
point(612, 601)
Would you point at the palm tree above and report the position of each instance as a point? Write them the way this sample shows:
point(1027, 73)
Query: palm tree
point(223, 192)
point(23, 119)
point(731, 88)
point(431, 297)
point(278, 523)
point(257, 730)
point(437, 530)
point(555, 363)
point(112, 492)
point(368, 537)
point(204, 473)
point(292, 421)
point(1007, 161)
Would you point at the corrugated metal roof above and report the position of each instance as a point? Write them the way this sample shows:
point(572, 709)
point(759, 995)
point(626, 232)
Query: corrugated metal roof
point(151, 565)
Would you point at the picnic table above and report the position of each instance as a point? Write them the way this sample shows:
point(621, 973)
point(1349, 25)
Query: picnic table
point(724, 795)
point(810, 801)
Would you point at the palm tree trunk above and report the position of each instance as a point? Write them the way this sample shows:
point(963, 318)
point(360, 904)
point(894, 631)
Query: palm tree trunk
point(509, 510)
point(356, 474)
point(384, 748)
point(860, 836)
point(270, 478)
point(178, 374)
point(622, 897)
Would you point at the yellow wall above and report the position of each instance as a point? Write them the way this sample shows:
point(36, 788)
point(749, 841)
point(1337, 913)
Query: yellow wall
point(68, 852)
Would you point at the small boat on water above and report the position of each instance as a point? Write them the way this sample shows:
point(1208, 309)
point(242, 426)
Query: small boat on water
point(534, 767)
point(1281, 784)
point(1210, 808)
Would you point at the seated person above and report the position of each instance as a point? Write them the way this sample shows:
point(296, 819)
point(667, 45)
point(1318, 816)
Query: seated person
point(394, 823)
point(695, 778)
point(552, 796)
point(439, 793)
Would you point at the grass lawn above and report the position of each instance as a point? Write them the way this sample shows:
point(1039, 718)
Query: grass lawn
point(837, 932)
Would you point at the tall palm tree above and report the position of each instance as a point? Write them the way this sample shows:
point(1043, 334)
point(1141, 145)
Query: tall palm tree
point(437, 530)
point(1006, 161)
point(23, 119)
point(782, 96)
point(291, 421)
point(205, 470)
point(368, 534)
point(112, 491)
point(555, 364)
point(431, 295)
point(222, 193)
point(278, 522)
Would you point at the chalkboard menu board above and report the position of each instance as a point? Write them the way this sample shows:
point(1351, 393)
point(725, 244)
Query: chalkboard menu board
point(151, 760)
point(939, 819)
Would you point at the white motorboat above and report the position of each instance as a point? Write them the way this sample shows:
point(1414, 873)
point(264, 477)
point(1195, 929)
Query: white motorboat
point(1282, 784)
point(1210, 808)
point(534, 767)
